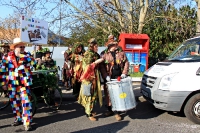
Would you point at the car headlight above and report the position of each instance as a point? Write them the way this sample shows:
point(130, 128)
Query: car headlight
point(166, 81)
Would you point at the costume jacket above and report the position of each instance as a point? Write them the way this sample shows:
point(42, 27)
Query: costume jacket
point(16, 70)
point(110, 62)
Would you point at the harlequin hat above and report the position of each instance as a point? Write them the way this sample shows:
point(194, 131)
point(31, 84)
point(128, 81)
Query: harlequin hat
point(17, 41)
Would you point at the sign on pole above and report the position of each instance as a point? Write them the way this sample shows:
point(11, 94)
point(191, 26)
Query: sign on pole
point(33, 30)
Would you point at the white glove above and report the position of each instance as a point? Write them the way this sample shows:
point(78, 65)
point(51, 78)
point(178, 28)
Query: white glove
point(123, 76)
point(108, 78)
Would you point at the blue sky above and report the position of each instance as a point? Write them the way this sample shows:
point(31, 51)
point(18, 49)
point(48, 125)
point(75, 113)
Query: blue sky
point(5, 11)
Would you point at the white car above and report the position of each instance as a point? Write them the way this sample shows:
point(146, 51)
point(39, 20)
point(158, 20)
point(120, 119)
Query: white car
point(174, 84)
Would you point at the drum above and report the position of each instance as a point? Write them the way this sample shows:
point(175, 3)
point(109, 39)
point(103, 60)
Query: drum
point(121, 94)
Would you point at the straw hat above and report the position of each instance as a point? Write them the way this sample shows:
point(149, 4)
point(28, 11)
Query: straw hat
point(16, 41)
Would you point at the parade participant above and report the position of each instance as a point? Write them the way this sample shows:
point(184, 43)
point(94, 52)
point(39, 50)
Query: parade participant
point(90, 85)
point(38, 53)
point(68, 53)
point(17, 67)
point(116, 66)
point(67, 67)
point(47, 62)
point(107, 100)
point(38, 56)
point(77, 55)
point(111, 38)
point(5, 48)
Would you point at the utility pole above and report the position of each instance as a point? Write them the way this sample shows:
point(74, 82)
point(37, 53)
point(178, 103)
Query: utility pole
point(60, 24)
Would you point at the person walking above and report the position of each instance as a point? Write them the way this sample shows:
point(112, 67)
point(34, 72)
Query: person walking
point(76, 59)
point(90, 80)
point(67, 68)
point(17, 69)
point(117, 65)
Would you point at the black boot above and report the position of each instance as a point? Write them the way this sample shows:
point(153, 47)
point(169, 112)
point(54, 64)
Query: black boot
point(16, 123)
point(109, 112)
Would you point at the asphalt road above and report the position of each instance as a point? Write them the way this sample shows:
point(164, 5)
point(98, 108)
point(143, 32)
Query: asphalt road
point(71, 119)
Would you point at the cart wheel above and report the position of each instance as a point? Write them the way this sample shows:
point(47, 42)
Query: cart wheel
point(54, 98)
point(34, 103)
point(4, 98)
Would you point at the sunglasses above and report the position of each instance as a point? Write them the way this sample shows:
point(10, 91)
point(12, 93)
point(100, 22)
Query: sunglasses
point(22, 47)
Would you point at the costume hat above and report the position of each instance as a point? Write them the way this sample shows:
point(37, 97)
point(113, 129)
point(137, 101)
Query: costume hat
point(16, 41)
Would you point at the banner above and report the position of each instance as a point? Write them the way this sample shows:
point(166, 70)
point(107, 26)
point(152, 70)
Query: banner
point(33, 30)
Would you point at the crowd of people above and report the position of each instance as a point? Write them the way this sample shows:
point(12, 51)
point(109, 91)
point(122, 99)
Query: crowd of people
point(84, 71)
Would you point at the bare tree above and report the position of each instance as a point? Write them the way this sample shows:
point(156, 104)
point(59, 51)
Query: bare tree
point(9, 29)
point(128, 16)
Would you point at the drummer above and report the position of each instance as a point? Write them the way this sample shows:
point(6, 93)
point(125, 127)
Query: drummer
point(117, 66)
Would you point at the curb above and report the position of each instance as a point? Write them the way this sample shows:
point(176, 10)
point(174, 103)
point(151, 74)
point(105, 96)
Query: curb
point(136, 79)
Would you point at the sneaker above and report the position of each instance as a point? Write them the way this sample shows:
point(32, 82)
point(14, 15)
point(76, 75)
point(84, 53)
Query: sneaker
point(16, 123)
point(118, 117)
point(92, 118)
point(108, 113)
point(28, 128)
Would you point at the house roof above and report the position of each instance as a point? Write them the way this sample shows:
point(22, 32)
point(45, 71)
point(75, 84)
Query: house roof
point(7, 36)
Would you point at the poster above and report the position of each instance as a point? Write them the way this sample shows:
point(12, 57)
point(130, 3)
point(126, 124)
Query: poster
point(33, 30)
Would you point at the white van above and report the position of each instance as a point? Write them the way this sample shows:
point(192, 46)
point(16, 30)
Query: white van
point(174, 84)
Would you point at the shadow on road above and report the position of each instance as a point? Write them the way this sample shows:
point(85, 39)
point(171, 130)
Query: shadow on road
point(72, 110)
point(109, 128)
point(144, 110)
point(6, 113)
point(178, 114)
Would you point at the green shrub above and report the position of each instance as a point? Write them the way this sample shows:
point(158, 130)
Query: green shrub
point(138, 74)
